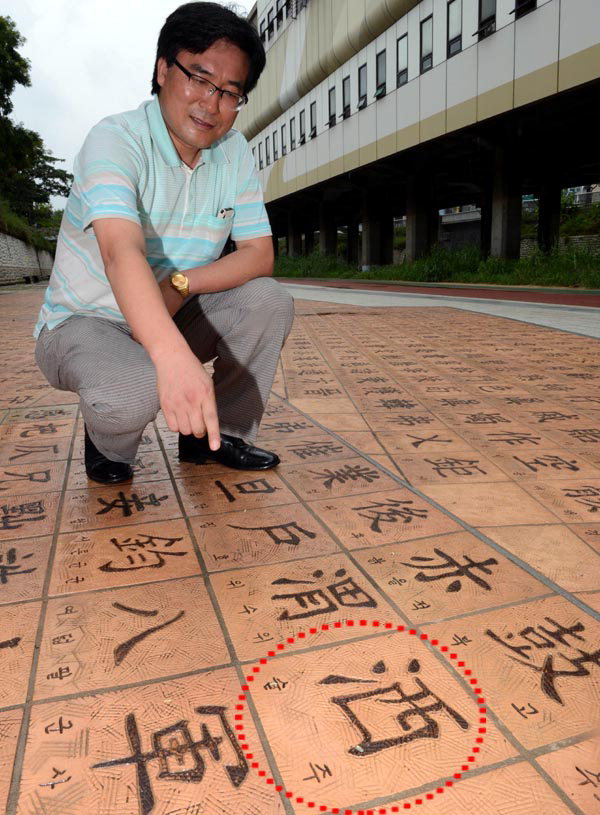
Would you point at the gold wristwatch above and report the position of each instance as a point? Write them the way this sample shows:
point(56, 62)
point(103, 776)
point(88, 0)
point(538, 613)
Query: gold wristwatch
point(180, 283)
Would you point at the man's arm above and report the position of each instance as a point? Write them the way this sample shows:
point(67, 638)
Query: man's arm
point(253, 258)
point(185, 390)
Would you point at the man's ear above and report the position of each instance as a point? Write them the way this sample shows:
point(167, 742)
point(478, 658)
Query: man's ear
point(161, 71)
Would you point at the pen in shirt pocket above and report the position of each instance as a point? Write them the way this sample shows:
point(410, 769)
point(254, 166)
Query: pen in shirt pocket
point(225, 213)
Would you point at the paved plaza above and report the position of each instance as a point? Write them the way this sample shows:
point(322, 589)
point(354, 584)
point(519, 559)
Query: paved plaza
point(405, 615)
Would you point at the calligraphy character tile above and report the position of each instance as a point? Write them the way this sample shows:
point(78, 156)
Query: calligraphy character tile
point(433, 441)
point(168, 747)
point(33, 451)
point(20, 432)
point(264, 605)
point(10, 725)
point(122, 556)
point(575, 501)
point(576, 769)
point(115, 506)
point(537, 663)
point(260, 536)
point(446, 576)
point(17, 640)
point(23, 566)
point(449, 468)
point(128, 635)
point(33, 478)
point(383, 715)
point(25, 516)
point(337, 478)
point(382, 517)
point(544, 464)
point(285, 428)
point(233, 492)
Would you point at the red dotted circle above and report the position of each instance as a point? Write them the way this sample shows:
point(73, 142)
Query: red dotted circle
point(449, 782)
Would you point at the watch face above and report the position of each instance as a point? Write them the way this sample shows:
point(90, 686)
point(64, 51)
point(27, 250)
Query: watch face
point(179, 280)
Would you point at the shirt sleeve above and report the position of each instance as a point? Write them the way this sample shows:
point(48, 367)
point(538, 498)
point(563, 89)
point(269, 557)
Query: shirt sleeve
point(107, 173)
point(250, 218)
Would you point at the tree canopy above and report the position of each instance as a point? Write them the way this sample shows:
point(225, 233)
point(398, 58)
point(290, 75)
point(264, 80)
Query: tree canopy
point(28, 172)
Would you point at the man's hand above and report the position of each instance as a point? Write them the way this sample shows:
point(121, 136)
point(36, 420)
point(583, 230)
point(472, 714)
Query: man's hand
point(187, 397)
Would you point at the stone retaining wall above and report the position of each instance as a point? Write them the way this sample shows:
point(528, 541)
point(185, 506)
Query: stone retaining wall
point(19, 261)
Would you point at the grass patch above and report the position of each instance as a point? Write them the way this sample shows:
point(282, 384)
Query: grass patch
point(569, 267)
point(12, 224)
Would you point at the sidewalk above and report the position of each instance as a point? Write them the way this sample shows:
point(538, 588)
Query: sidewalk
point(404, 615)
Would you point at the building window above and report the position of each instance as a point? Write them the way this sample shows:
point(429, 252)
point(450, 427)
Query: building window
point(523, 7)
point(288, 8)
point(275, 146)
point(268, 150)
point(263, 25)
point(402, 60)
point(302, 127)
point(487, 18)
point(346, 97)
point(426, 44)
point(313, 119)
point(254, 154)
point(260, 157)
point(283, 141)
point(292, 133)
point(362, 87)
point(279, 14)
point(380, 75)
point(270, 23)
point(454, 28)
point(332, 114)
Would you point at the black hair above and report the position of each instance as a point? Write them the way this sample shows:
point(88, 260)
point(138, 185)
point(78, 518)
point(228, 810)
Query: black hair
point(195, 27)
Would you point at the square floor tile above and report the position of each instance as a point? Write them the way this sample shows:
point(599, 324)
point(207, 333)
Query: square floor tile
point(34, 478)
point(168, 747)
point(288, 428)
point(36, 414)
point(25, 516)
point(260, 536)
point(573, 501)
point(517, 789)
point(348, 476)
point(19, 629)
point(535, 666)
point(436, 468)
point(33, 452)
point(554, 551)
point(544, 464)
point(382, 517)
point(437, 441)
point(114, 506)
point(499, 504)
point(128, 635)
point(576, 770)
point(10, 726)
point(47, 431)
point(263, 606)
point(123, 556)
point(447, 576)
point(313, 450)
point(233, 491)
point(23, 565)
point(370, 748)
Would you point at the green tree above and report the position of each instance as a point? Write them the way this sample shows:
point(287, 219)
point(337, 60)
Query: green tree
point(28, 172)
point(14, 68)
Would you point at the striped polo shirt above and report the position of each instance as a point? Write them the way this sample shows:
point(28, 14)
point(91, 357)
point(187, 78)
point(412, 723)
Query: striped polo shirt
point(128, 168)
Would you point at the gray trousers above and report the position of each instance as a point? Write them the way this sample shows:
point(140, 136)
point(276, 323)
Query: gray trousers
point(242, 329)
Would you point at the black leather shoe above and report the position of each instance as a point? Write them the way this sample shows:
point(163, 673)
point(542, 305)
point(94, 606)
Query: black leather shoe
point(103, 470)
point(233, 452)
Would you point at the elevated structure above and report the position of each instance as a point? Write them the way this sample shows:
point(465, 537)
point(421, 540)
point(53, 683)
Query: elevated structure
point(374, 109)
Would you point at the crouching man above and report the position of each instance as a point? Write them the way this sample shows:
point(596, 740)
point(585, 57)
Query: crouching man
point(140, 296)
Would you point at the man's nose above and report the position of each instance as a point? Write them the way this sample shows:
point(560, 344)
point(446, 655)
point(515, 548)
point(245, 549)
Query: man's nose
point(211, 103)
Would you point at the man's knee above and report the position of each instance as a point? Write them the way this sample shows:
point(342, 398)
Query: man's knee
point(112, 415)
point(272, 299)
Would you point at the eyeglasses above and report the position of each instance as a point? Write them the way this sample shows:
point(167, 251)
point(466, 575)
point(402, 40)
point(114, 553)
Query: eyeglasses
point(205, 89)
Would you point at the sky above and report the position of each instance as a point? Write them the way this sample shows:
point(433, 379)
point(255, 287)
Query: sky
point(88, 60)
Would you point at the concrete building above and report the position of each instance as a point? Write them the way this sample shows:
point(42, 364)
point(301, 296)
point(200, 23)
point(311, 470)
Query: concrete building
point(375, 109)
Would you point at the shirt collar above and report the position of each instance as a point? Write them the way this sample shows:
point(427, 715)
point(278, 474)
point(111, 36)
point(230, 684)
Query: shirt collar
point(215, 154)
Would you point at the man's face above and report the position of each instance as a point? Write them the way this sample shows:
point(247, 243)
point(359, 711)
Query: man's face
point(195, 122)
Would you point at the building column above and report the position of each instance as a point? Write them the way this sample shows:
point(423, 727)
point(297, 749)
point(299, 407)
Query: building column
point(294, 236)
point(309, 238)
point(505, 239)
point(422, 218)
point(377, 231)
point(327, 230)
point(548, 216)
point(352, 242)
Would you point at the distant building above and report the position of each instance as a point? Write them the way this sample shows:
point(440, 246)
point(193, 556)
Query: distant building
point(370, 110)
